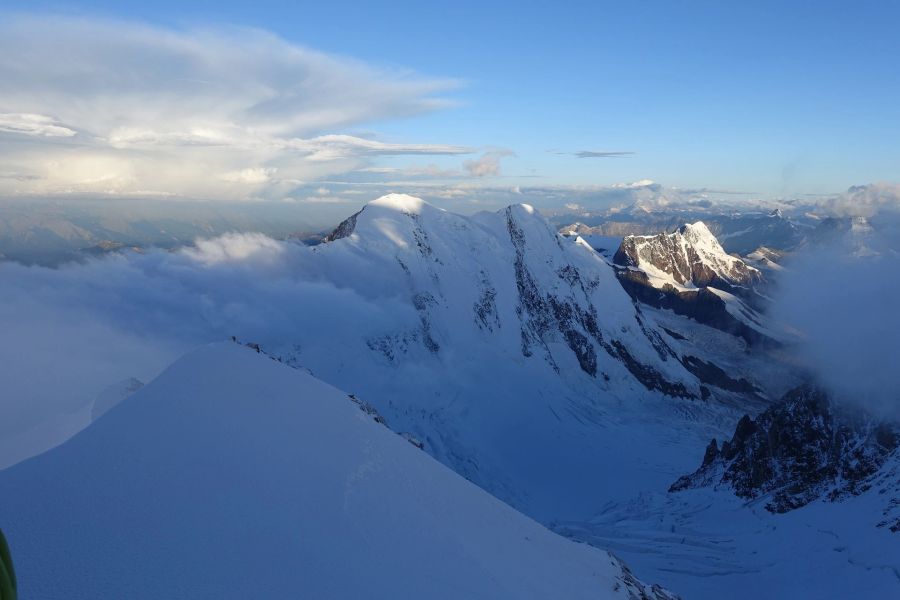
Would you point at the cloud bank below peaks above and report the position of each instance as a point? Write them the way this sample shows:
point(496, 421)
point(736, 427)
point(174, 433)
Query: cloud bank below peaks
point(73, 331)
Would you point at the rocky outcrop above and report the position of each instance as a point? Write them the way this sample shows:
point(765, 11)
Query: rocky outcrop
point(344, 229)
point(802, 449)
point(710, 373)
point(690, 256)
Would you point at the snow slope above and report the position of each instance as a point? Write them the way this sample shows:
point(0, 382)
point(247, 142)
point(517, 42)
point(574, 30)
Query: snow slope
point(709, 545)
point(234, 476)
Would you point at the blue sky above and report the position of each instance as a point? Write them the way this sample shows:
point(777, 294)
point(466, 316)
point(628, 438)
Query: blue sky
point(774, 98)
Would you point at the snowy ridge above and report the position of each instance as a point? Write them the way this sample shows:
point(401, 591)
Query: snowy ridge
point(232, 475)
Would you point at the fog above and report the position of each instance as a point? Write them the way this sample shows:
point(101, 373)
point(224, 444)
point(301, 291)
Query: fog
point(68, 333)
point(843, 298)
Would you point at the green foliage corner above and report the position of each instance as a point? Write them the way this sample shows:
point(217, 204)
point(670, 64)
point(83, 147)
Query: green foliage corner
point(7, 573)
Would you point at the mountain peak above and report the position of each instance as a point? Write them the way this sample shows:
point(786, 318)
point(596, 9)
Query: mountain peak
point(521, 209)
point(401, 202)
point(379, 208)
point(698, 234)
point(697, 228)
point(690, 256)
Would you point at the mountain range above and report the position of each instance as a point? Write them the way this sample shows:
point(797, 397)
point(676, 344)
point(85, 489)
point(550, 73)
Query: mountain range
point(579, 384)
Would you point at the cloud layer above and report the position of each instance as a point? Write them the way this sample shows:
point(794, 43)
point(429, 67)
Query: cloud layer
point(843, 297)
point(68, 333)
point(865, 200)
point(110, 106)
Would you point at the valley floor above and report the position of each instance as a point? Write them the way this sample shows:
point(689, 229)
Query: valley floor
point(708, 544)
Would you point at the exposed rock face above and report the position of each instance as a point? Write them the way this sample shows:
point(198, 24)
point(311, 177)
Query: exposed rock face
point(712, 374)
point(703, 305)
point(688, 272)
point(802, 449)
point(344, 228)
point(690, 256)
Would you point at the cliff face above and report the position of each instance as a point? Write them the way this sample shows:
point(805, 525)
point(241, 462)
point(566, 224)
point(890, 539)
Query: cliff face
point(802, 449)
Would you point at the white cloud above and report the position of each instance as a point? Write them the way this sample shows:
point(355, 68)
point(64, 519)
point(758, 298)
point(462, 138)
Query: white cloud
point(236, 248)
point(865, 200)
point(250, 175)
point(416, 172)
point(633, 185)
point(487, 165)
point(31, 124)
point(335, 147)
point(322, 199)
point(70, 332)
point(186, 111)
point(845, 306)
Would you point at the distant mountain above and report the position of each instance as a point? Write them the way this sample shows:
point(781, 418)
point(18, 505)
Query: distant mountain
point(689, 258)
point(232, 475)
point(855, 236)
point(767, 260)
point(742, 234)
point(689, 272)
point(739, 231)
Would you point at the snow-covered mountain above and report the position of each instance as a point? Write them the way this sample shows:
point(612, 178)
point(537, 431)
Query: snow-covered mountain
point(514, 371)
point(687, 271)
point(512, 347)
point(516, 357)
point(688, 258)
point(504, 279)
point(232, 475)
point(739, 228)
point(766, 260)
point(114, 394)
point(856, 236)
point(709, 543)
